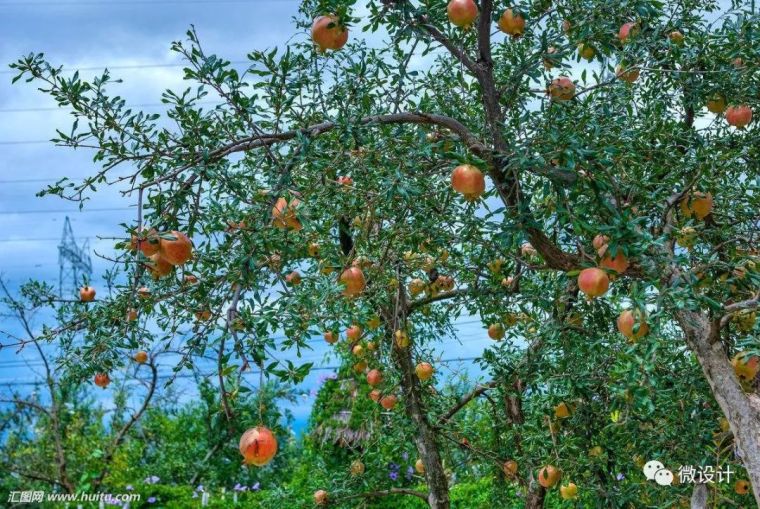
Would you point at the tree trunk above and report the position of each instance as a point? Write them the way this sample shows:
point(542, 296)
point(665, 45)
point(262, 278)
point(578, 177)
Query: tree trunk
point(742, 410)
point(534, 499)
point(438, 485)
point(699, 497)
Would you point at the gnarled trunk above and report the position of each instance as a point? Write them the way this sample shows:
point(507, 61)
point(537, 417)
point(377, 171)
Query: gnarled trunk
point(427, 446)
point(742, 410)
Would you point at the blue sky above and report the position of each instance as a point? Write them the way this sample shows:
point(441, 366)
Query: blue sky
point(132, 39)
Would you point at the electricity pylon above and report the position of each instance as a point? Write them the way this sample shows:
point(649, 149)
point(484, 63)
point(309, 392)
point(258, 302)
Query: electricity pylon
point(73, 262)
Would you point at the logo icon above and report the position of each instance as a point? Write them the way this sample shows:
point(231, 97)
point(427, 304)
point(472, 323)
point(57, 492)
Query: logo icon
point(656, 471)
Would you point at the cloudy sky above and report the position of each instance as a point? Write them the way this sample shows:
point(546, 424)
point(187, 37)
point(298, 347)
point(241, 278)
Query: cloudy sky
point(132, 38)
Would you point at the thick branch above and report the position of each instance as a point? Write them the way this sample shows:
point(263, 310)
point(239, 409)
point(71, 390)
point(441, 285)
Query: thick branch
point(477, 391)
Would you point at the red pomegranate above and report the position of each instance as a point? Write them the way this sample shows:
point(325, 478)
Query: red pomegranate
point(626, 322)
point(102, 380)
point(627, 31)
point(389, 401)
point(258, 446)
point(328, 33)
point(354, 333)
point(177, 249)
point(618, 263)
point(353, 280)
point(284, 214)
point(374, 377)
point(462, 13)
point(629, 75)
point(739, 116)
point(468, 181)
point(512, 23)
point(593, 282)
point(562, 89)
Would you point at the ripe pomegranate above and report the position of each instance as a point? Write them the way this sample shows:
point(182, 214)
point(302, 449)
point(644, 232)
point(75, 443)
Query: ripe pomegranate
point(419, 466)
point(353, 280)
point(191, 279)
point(562, 89)
point(313, 249)
point(548, 476)
point(416, 287)
point(159, 267)
point(354, 333)
point(375, 395)
point(132, 315)
point(147, 243)
point(629, 75)
point(600, 243)
point(509, 468)
point(697, 204)
point(345, 181)
point(357, 350)
point(176, 250)
point(284, 214)
point(676, 37)
point(320, 497)
point(741, 487)
point(330, 337)
point(716, 103)
point(293, 279)
point(468, 181)
point(402, 339)
point(202, 315)
point(424, 371)
point(512, 23)
point(328, 33)
point(87, 294)
point(527, 250)
point(548, 62)
point(617, 264)
point(258, 446)
point(628, 31)
point(389, 401)
point(357, 468)
point(739, 116)
point(445, 283)
point(374, 377)
point(561, 411)
point(496, 331)
point(143, 292)
point(746, 366)
point(141, 357)
point(568, 492)
point(462, 13)
point(360, 367)
point(102, 380)
point(593, 282)
point(566, 26)
point(626, 322)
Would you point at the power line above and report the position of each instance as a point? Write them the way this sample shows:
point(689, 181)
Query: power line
point(72, 69)
point(132, 2)
point(65, 211)
point(127, 106)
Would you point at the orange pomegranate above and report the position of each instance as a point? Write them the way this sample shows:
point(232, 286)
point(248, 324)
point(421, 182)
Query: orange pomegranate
point(87, 294)
point(496, 331)
point(548, 476)
point(354, 332)
point(102, 380)
point(177, 249)
point(328, 33)
point(353, 280)
point(561, 411)
point(159, 267)
point(131, 315)
point(320, 497)
point(468, 181)
point(593, 282)
point(512, 23)
point(374, 377)
point(618, 263)
point(629, 75)
point(600, 243)
point(626, 322)
point(462, 13)
point(284, 214)
point(738, 116)
point(147, 243)
point(375, 395)
point(509, 468)
point(746, 366)
point(676, 37)
point(697, 204)
point(141, 357)
point(424, 371)
point(389, 401)
point(562, 89)
point(419, 466)
point(293, 279)
point(258, 446)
